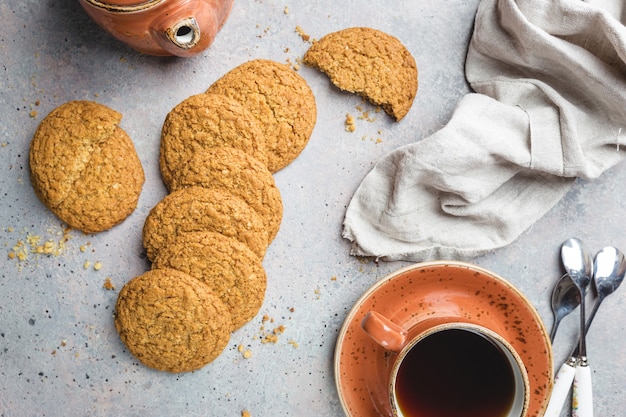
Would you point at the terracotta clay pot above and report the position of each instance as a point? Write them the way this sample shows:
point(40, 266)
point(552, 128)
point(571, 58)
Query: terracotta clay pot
point(161, 27)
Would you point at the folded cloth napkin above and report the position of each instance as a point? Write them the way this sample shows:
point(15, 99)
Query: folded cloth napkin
point(549, 104)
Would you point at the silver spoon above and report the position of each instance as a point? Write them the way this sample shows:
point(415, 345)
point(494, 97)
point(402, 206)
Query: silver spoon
point(565, 299)
point(610, 268)
point(579, 266)
point(608, 273)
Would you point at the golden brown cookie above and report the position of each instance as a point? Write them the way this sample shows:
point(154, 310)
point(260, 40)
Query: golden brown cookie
point(370, 63)
point(281, 101)
point(84, 167)
point(171, 321)
point(228, 267)
point(239, 173)
point(194, 209)
point(203, 121)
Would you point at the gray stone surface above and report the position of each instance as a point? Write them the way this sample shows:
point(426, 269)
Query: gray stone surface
point(59, 352)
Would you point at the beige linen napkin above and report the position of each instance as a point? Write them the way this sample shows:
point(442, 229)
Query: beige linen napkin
point(549, 105)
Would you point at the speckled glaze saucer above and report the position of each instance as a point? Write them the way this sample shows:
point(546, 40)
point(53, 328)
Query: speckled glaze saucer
point(437, 292)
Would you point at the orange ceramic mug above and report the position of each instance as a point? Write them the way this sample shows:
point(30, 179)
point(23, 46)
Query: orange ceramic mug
point(451, 369)
point(161, 27)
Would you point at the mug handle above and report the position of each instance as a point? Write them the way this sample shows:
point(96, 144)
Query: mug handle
point(384, 332)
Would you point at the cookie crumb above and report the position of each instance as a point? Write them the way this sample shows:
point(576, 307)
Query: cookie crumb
point(272, 336)
point(269, 335)
point(46, 248)
point(286, 10)
point(108, 284)
point(293, 343)
point(246, 353)
point(295, 66)
point(349, 123)
point(97, 266)
point(365, 116)
point(19, 251)
point(32, 244)
point(305, 36)
point(246, 413)
point(265, 31)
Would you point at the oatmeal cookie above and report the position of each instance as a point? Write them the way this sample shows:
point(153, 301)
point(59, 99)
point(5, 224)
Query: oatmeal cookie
point(281, 101)
point(171, 321)
point(239, 173)
point(203, 121)
point(195, 209)
point(84, 167)
point(368, 62)
point(228, 267)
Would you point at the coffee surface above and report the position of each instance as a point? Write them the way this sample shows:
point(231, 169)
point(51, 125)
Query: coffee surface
point(455, 373)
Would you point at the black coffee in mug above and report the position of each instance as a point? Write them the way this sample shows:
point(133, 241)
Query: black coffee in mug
point(455, 373)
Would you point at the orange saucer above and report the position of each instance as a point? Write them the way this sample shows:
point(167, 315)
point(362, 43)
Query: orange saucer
point(437, 292)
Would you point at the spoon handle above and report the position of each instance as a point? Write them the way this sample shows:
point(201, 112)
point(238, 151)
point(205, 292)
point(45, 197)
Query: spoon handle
point(562, 384)
point(576, 351)
point(582, 398)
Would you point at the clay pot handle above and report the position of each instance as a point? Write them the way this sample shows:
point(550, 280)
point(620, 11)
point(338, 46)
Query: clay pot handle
point(384, 332)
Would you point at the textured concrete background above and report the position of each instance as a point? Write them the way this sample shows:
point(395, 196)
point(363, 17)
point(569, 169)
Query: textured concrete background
point(59, 352)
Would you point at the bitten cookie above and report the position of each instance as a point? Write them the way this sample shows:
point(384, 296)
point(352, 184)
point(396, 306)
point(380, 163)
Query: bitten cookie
point(84, 167)
point(228, 267)
point(194, 209)
point(370, 63)
point(171, 321)
point(242, 175)
point(203, 121)
point(280, 100)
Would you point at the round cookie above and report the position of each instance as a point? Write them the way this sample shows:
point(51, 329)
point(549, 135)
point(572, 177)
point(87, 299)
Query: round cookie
point(281, 101)
point(368, 62)
point(239, 173)
point(84, 167)
point(171, 321)
point(228, 267)
point(203, 121)
point(194, 209)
